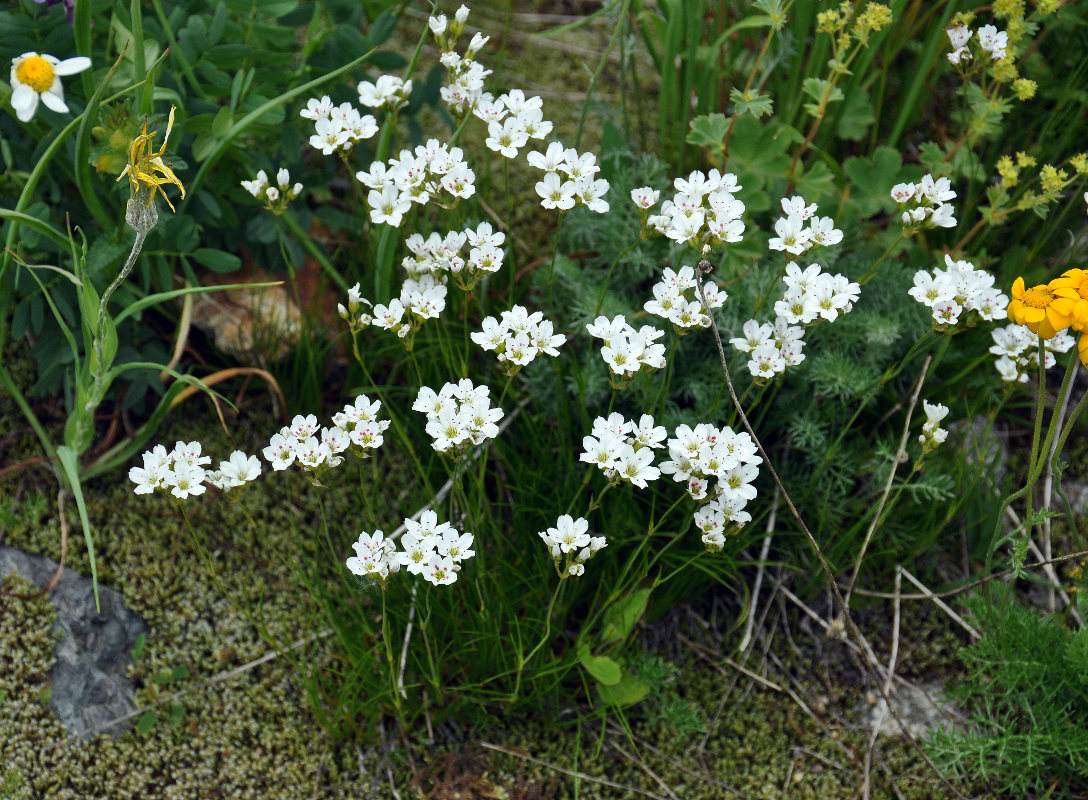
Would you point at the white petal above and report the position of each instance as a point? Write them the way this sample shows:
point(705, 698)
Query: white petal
point(70, 66)
point(25, 102)
point(54, 100)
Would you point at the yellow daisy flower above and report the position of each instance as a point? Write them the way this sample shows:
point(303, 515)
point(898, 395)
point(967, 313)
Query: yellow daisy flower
point(143, 165)
point(1035, 309)
point(1072, 292)
point(1082, 349)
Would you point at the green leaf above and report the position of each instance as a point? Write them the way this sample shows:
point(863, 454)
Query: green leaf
point(755, 103)
point(626, 692)
point(139, 647)
point(709, 131)
point(222, 122)
point(621, 616)
point(603, 668)
point(816, 182)
point(217, 260)
point(146, 722)
point(177, 673)
point(70, 465)
point(872, 179)
point(856, 116)
point(816, 88)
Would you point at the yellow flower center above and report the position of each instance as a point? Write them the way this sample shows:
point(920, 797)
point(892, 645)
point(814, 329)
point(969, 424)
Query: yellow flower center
point(1082, 287)
point(1038, 297)
point(35, 72)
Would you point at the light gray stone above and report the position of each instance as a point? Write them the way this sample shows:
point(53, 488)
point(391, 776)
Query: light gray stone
point(89, 685)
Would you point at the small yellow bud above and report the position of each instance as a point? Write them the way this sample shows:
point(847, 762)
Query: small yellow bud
point(1008, 171)
point(1024, 88)
point(1052, 179)
point(1024, 160)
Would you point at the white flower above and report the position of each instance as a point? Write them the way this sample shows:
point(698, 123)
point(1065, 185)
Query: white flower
point(645, 197)
point(555, 192)
point(388, 206)
point(317, 109)
point(792, 236)
point(240, 469)
point(185, 480)
point(993, 41)
point(37, 77)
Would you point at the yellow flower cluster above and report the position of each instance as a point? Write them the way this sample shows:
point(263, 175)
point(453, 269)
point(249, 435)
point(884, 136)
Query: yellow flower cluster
point(1051, 307)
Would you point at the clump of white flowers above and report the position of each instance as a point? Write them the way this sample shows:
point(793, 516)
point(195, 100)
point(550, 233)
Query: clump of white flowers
point(961, 287)
point(465, 75)
point(623, 449)
point(275, 198)
point(337, 128)
point(811, 294)
point(420, 300)
point(181, 471)
point(440, 256)
point(432, 549)
point(429, 173)
point(359, 420)
point(627, 351)
point(1017, 351)
point(512, 120)
point(932, 433)
point(703, 211)
point(925, 204)
point(698, 455)
point(675, 300)
point(570, 179)
point(315, 449)
point(571, 545)
point(458, 415)
point(801, 230)
point(517, 337)
point(990, 41)
point(388, 92)
point(772, 349)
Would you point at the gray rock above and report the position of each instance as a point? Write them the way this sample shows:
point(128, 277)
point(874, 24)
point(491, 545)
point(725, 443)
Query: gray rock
point(88, 681)
point(920, 708)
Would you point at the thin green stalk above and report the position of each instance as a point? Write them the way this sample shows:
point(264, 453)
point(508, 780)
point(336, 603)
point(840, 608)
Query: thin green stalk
point(608, 275)
point(523, 660)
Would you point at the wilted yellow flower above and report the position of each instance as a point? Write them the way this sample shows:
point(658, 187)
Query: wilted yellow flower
point(147, 172)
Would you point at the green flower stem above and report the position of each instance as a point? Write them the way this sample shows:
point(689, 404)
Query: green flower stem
point(393, 683)
point(608, 275)
point(523, 660)
point(101, 368)
point(311, 247)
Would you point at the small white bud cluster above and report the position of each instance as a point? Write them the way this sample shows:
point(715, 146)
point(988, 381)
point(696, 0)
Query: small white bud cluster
point(801, 230)
point(924, 205)
point(440, 256)
point(627, 351)
point(933, 435)
point(569, 542)
point(276, 197)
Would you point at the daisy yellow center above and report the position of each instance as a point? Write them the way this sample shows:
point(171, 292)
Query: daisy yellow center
point(1038, 297)
point(35, 72)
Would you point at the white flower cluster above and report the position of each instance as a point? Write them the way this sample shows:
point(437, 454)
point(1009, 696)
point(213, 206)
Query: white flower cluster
point(990, 41)
point(181, 471)
point(420, 300)
point(949, 292)
point(705, 452)
point(811, 293)
point(416, 177)
point(932, 433)
point(675, 299)
point(772, 348)
point(570, 179)
point(275, 197)
point(924, 204)
point(337, 128)
point(702, 212)
point(388, 92)
point(512, 120)
point(432, 549)
point(795, 236)
point(518, 337)
point(623, 450)
point(353, 313)
point(570, 542)
point(627, 351)
point(464, 89)
point(458, 415)
point(1017, 351)
point(316, 449)
point(439, 255)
